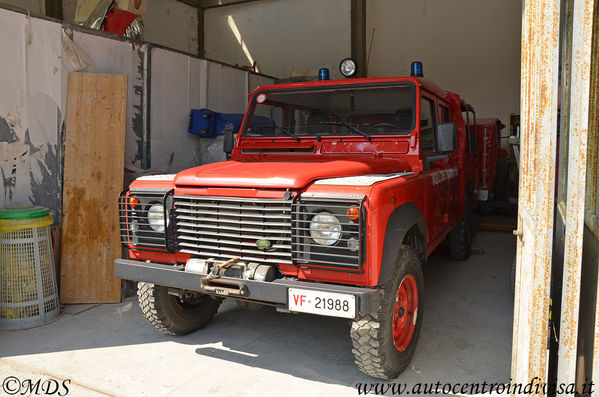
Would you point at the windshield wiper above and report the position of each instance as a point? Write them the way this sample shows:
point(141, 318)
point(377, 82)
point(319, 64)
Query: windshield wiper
point(285, 130)
point(349, 126)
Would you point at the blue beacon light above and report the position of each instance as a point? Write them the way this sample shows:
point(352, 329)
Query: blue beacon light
point(323, 74)
point(416, 69)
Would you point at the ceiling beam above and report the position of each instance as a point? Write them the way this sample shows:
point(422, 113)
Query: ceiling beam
point(221, 3)
point(358, 35)
point(54, 9)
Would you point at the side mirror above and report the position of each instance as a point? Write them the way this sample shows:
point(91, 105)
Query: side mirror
point(228, 142)
point(446, 138)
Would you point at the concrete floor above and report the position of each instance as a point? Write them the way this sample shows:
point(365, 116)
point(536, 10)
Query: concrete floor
point(111, 349)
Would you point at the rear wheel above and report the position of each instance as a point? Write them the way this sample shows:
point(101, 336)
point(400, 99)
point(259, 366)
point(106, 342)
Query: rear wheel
point(460, 237)
point(384, 342)
point(173, 314)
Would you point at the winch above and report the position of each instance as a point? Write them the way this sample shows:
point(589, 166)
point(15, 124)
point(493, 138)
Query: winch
point(232, 268)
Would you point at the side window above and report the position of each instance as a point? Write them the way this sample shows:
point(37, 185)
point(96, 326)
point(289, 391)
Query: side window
point(427, 126)
point(444, 114)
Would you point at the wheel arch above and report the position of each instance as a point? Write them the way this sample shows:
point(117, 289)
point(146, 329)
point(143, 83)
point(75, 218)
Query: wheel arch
point(405, 226)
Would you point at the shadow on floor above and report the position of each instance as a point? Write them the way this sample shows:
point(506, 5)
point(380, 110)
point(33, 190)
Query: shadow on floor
point(466, 332)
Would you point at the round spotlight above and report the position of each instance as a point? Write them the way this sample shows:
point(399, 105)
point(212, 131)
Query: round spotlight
point(325, 228)
point(348, 67)
point(156, 217)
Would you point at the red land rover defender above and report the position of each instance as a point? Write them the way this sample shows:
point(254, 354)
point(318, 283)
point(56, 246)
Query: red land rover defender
point(335, 193)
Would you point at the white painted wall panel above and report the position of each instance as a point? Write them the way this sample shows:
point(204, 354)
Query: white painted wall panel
point(30, 111)
point(120, 57)
point(227, 89)
point(198, 78)
point(173, 148)
point(180, 83)
point(33, 104)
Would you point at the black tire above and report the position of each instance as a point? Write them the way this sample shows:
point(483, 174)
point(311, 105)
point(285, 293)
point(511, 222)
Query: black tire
point(169, 314)
point(460, 237)
point(374, 348)
point(501, 180)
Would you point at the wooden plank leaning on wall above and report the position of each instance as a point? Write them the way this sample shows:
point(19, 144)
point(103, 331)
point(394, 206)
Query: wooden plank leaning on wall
point(93, 178)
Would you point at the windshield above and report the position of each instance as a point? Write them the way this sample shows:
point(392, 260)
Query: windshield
point(353, 110)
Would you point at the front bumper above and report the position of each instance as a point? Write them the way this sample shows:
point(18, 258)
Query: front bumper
point(271, 292)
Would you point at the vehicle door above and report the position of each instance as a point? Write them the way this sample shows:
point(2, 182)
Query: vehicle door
point(437, 191)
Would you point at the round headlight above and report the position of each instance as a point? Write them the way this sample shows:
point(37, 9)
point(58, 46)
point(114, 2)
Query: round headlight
point(325, 228)
point(156, 217)
point(348, 67)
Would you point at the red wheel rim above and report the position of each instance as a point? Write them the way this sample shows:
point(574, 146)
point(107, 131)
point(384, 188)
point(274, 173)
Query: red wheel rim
point(405, 312)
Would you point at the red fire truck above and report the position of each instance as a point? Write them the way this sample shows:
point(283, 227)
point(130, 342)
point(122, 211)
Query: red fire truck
point(335, 194)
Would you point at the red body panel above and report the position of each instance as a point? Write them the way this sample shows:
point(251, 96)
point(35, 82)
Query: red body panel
point(282, 174)
point(438, 191)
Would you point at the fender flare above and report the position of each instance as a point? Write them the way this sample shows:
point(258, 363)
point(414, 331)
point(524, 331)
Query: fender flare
point(401, 220)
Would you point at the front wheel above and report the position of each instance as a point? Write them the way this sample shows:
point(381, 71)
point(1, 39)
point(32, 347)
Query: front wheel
point(384, 341)
point(173, 314)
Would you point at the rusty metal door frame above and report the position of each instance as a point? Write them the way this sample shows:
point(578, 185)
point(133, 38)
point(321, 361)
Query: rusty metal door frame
point(539, 105)
point(577, 114)
point(538, 110)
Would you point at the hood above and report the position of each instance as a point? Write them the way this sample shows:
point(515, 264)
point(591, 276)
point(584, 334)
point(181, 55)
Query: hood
point(281, 175)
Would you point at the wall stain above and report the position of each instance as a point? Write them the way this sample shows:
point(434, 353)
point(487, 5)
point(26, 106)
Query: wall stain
point(36, 165)
point(7, 133)
point(137, 119)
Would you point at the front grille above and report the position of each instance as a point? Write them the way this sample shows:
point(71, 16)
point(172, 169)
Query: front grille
point(338, 256)
point(229, 227)
point(134, 227)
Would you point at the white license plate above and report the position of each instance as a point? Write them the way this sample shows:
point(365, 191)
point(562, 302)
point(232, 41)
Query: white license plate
point(323, 303)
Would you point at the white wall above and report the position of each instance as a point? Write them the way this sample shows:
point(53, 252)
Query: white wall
point(180, 83)
point(34, 6)
point(471, 47)
point(31, 111)
point(172, 24)
point(280, 35)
